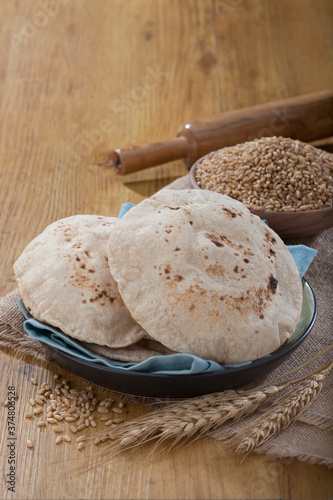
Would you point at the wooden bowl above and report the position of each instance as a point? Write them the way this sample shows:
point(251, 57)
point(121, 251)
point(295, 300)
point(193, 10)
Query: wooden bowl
point(287, 224)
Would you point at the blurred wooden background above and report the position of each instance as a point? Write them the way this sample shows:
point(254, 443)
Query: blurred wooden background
point(78, 78)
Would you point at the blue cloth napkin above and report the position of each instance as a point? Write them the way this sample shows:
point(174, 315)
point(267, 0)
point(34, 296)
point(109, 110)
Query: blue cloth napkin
point(175, 364)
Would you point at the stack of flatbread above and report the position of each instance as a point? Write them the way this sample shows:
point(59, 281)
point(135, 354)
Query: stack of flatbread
point(188, 271)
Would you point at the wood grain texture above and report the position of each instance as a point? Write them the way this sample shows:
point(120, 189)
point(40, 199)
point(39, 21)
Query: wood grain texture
point(87, 77)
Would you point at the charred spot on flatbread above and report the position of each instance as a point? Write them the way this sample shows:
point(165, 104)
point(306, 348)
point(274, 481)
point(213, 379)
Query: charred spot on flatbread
point(217, 240)
point(230, 212)
point(273, 283)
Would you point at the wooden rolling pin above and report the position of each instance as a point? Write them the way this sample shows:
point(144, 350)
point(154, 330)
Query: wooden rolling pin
point(307, 118)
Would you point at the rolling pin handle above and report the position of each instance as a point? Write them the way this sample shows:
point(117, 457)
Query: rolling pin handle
point(134, 158)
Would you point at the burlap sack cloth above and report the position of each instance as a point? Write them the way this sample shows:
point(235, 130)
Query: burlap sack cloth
point(310, 437)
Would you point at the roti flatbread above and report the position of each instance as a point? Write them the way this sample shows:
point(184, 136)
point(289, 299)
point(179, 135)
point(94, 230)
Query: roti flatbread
point(64, 280)
point(204, 276)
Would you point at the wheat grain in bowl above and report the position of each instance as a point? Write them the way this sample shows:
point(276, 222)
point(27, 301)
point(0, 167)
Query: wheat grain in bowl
point(270, 174)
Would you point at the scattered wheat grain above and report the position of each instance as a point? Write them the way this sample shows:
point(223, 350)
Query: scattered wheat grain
point(117, 410)
point(102, 410)
point(81, 439)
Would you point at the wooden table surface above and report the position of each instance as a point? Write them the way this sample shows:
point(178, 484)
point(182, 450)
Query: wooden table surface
point(79, 78)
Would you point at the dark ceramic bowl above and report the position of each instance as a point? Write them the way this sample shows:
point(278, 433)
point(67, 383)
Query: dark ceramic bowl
point(184, 386)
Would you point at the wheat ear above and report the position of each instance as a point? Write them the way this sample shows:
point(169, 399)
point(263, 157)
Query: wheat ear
point(279, 417)
point(184, 419)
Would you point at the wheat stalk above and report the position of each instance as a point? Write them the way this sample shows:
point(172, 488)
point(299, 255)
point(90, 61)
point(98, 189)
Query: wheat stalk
point(280, 417)
point(184, 419)
point(196, 417)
